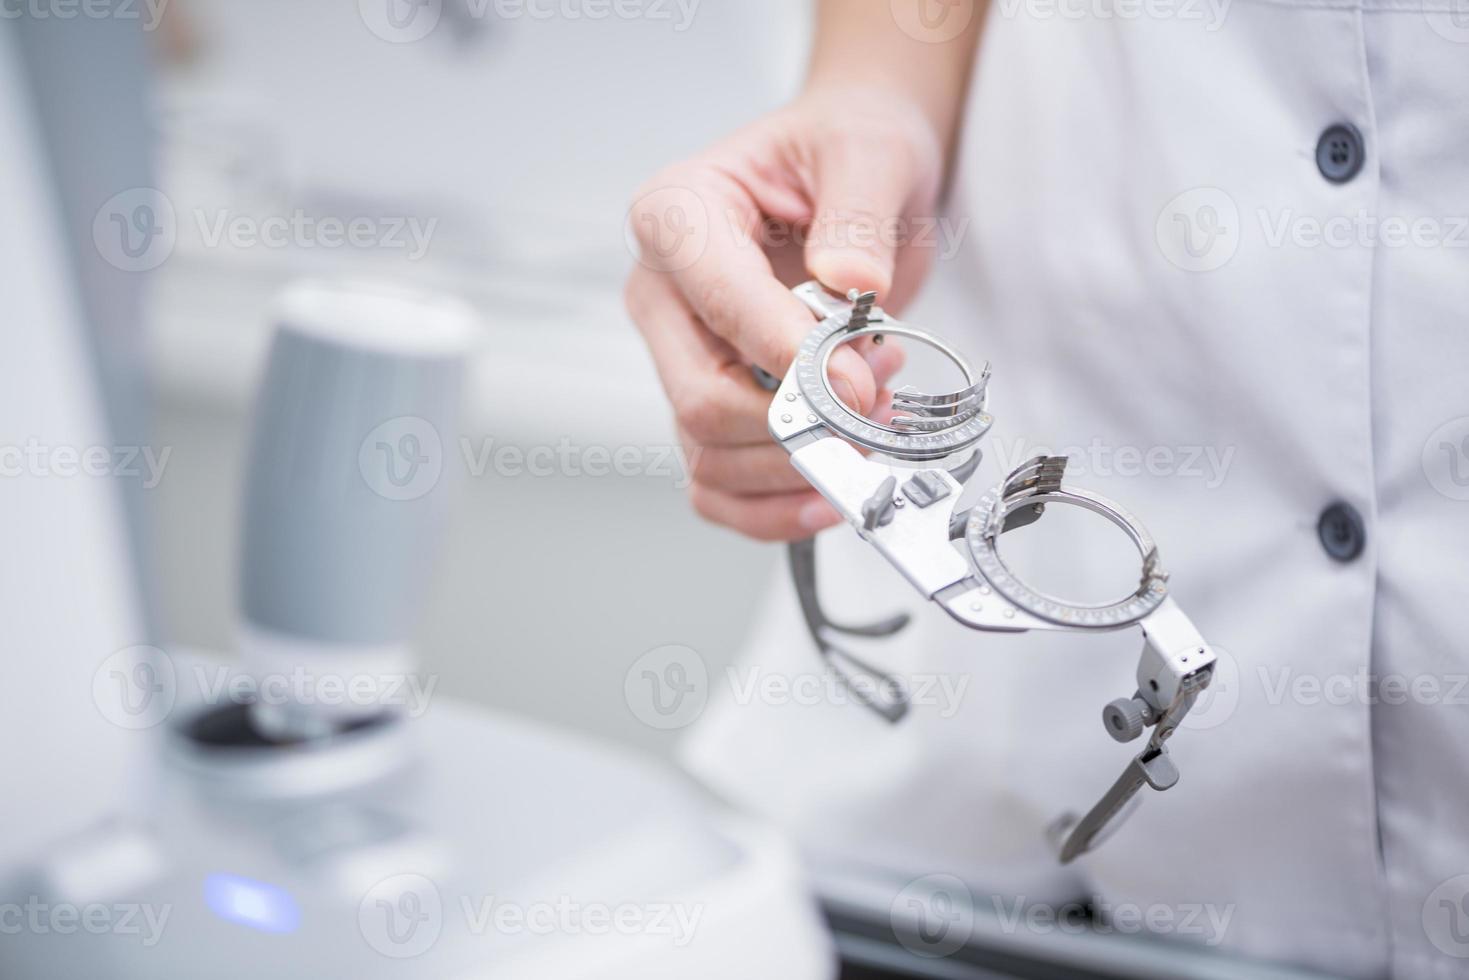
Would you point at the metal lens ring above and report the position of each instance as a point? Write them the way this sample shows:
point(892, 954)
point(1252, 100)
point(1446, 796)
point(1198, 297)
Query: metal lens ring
point(936, 443)
point(987, 520)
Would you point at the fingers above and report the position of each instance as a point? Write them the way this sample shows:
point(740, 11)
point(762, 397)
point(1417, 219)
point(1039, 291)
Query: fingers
point(885, 360)
point(774, 517)
point(744, 470)
point(714, 397)
point(862, 190)
point(710, 315)
point(727, 281)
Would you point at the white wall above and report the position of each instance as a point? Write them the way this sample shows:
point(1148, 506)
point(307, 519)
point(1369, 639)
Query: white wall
point(524, 141)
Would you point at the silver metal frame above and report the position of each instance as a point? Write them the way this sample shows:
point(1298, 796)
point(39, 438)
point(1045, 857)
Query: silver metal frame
point(903, 500)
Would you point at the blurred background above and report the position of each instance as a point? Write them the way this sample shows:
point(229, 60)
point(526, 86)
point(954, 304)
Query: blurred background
point(486, 149)
point(170, 167)
point(511, 147)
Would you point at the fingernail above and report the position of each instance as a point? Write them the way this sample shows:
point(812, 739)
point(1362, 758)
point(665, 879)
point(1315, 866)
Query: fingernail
point(819, 515)
point(846, 393)
point(847, 269)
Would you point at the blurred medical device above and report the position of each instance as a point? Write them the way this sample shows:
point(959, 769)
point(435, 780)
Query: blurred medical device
point(321, 811)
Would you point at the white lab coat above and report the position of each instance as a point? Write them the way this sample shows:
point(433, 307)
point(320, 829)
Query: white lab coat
point(1269, 370)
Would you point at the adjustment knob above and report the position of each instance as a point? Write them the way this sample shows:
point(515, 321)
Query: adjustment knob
point(1126, 718)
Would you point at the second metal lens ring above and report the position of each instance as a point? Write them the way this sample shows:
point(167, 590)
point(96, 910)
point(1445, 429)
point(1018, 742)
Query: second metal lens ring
point(811, 375)
point(981, 535)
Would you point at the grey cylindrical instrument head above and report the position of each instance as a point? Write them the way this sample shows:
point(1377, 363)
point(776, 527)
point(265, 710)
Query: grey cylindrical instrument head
point(346, 483)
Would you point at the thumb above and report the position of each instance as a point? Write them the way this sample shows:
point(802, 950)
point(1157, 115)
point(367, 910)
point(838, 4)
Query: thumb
point(861, 190)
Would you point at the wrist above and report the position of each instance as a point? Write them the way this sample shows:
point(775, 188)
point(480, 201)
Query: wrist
point(863, 47)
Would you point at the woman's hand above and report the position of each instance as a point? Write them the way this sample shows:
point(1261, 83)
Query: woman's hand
point(840, 186)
